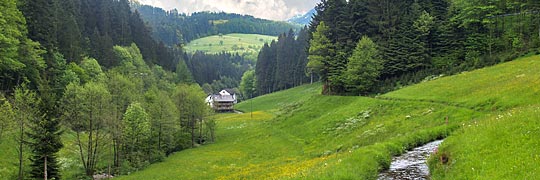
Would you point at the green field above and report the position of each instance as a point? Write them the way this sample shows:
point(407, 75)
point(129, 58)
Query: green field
point(492, 119)
point(493, 131)
point(248, 44)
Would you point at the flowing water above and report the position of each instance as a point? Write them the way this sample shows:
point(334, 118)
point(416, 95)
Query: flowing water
point(411, 165)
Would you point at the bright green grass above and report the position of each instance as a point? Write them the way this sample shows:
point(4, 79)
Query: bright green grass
point(8, 156)
point(300, 134)
point(279, 99)
point(499, 87)
point(248, 44)
point(504, 146)
point(302, 142)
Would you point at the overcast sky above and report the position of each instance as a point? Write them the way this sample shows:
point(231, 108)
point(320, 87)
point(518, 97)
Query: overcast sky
point(266, 9)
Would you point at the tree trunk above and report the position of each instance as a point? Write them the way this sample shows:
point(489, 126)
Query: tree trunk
point(21, 138)
point(159, 137)
point(192, 123)
point(45, 168)
point(81, 150)
point(200, 131)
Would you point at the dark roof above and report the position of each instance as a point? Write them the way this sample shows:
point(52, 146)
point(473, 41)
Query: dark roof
point(231, 91)
point(224, 98)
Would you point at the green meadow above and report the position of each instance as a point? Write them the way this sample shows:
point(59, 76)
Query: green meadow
point(492, 131)
point(243, 44)
point(489, 118)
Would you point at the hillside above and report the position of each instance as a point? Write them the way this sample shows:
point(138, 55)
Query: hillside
point(298, 133)
point(243, 44)
point(172, 27)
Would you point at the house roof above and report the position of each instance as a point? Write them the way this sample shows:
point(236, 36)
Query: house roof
point(223, 98)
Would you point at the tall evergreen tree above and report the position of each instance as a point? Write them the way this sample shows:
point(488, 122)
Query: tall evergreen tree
point(363, 68)
point(321, 53)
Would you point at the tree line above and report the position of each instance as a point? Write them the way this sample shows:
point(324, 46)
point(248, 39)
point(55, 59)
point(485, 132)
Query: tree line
point(173, 28)
point(368, 46)
point(215, 72)
point(281, 64)
point(114, 101)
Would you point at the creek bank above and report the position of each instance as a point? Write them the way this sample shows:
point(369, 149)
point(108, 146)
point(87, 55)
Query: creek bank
point(412, 164)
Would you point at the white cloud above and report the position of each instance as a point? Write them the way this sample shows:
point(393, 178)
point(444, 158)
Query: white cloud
point(267, 9)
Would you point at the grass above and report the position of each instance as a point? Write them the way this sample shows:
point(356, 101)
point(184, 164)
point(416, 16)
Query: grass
point(493, 131)
point(500, 87)
point(243, 44)
point(504, 146)
point(8, 156)
point(298, 133)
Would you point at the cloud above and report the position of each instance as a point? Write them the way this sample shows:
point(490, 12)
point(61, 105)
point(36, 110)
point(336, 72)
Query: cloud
point(267, 9)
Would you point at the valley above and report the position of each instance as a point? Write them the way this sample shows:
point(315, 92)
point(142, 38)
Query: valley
point(298, 133)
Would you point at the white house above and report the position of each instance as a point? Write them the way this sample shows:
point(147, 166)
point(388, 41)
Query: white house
point(223, 101)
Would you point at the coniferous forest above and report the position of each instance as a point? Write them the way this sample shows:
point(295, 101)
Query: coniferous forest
point(415, 40)
point(173, 28)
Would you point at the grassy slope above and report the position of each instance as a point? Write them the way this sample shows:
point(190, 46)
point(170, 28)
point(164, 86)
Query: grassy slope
point(308, 135)
point(299, 134)
point(251, 43)
point(504, 145)
point(317, 137)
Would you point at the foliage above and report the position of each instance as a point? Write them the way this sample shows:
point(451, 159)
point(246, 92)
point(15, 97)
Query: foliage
point(183, 73)
point(86, 111)
point(136, 132)
point(220, 71)
point(421, 38)
point(7, 118)
point(248, 84)
point(189, 100)
point(321, 51)
point(12, 28)
point(364, 67)
point(281, 64)
point(364, 133)
point(173, 28)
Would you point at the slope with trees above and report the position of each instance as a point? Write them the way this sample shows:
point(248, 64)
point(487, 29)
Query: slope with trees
point(417, 39)
point(281, 64)
point(173, 28)
point(81, 85)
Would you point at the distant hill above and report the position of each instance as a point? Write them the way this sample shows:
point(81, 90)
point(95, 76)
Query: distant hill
point(172, 27)
point(303, 19)
point(248, 45)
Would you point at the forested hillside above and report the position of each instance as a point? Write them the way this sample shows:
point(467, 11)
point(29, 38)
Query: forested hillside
point(86, 90)
point(173, 28)
point(408, 41)
point(281, 64)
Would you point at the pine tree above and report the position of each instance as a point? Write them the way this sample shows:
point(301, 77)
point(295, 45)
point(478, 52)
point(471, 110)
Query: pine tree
point(363, 68)
point(183, 73)
point(45, 143)
point(321, 53)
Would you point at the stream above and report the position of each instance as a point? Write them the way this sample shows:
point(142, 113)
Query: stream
point(412, 164)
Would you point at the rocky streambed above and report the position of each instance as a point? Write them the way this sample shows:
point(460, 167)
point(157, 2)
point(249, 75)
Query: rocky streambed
point(411, 165)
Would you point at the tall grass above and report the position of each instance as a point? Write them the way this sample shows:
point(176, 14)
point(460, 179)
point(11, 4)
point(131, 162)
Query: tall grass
point(504, 146)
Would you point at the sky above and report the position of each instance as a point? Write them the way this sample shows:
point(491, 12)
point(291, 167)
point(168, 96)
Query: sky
point(266, 9)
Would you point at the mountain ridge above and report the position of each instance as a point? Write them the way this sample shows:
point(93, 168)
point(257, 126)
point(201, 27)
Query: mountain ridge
point(303, 19)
